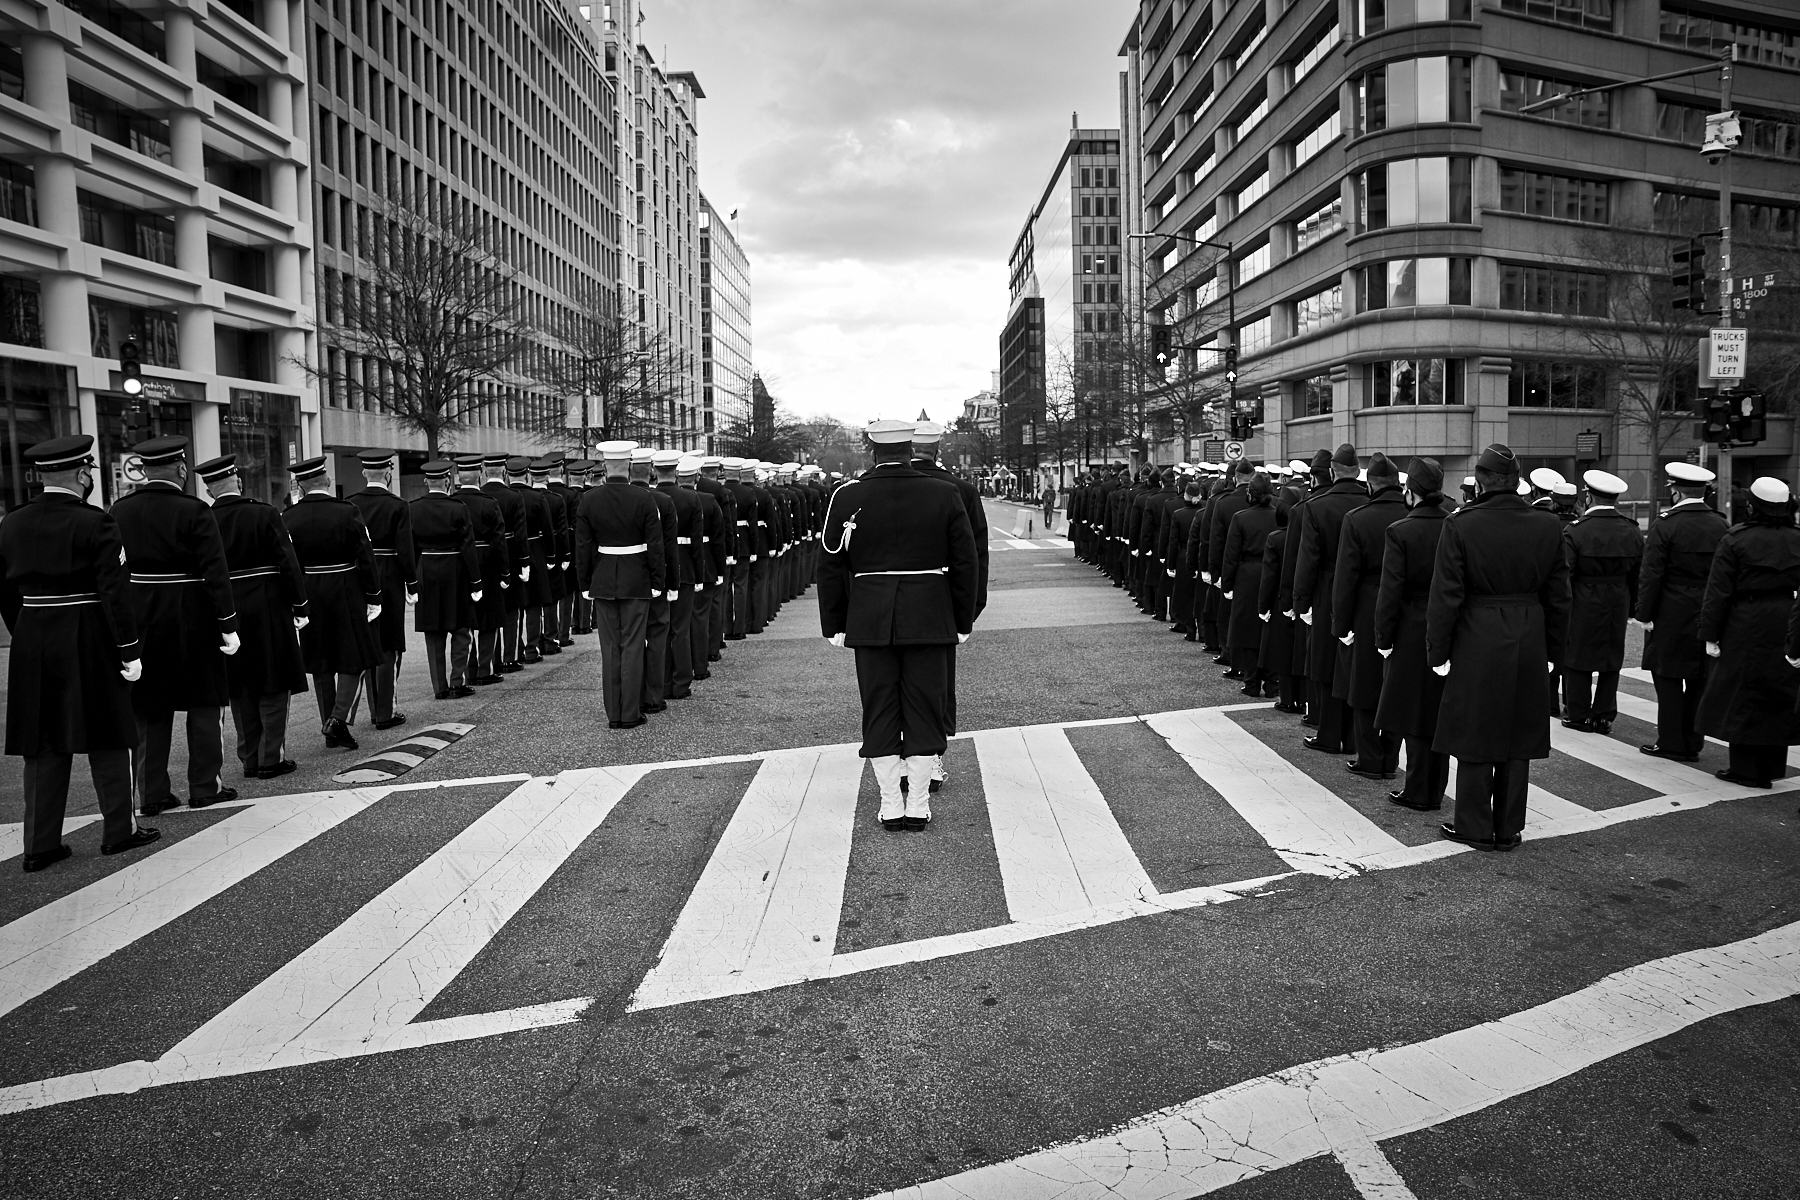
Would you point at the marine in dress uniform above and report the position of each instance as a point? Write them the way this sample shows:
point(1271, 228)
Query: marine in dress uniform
point(558, 543)
point(656, 627)
point(1495, 620)
point(1315, 572)
point(556, 483)
point(1316, 479)
point(1745, 619)
point(65, 594)
point(1362, 546)
point(687, 580)
point(619, 559)
point(1174, 554)
point(540, 554)
point(449, 581)
point(898, 585)
point(389, 523)
point(343, 597)
point(744, 507)
point(1605, 550)
point(1678, 554)
point(1232, 499)
point(269, 590)
point(713, 481)
point(518, 563)
point(1410, 690)
point(187, 618)
point(709, 565)
point(489, 526)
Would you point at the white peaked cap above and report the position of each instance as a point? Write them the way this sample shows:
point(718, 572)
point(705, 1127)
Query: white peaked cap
point(665, 458)
point(1524, 488)
point(1299, 466)
point(642, 454)
point(732, 464)
point(888, 433)
point(1770, 490)
point(1682, 472)
point(1181, 466)
point(1468, 481)
point(1546, 478)
point(616, 451)
point(1565, 488)
point(688, 465)
point(928, 433)
point(711, 460)
point(1605, 483)
point(789, 466)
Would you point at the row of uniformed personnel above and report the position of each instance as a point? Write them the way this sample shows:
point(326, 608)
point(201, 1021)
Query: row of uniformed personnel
point(1258, 567)
point(163, 605)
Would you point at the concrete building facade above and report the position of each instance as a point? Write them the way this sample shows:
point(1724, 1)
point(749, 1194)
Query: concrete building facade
point(1418, 266)
point(725, 361)
point(153, 187)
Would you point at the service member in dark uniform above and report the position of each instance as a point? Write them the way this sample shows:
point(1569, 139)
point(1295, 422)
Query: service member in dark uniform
point(343, 597)
point(389, 522)
point(898, 586)
point(66, 597)
point(656, 625)
point(1174, 554)
point(1362, 546)
point(709, 562)
point(1678, 554)
point(269, 589)
point(577, 474)
point(927, 437)
point(187, 618)
point(1315, 571)
point(556, 553)
point(1311, 484)
point(1605, 550)
point(1411, 691)
point(713, 483)
point(489, 526)
point(619, 561)
point(744, 507)
point(518, 563)
point(449, 581)
point(1275, 654)
point(556, 483)
point(540, 556)
point(1495, 622)
point(686, 580)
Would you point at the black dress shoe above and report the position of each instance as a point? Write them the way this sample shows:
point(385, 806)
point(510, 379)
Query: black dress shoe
point(715, 656)
point(915, 824)
point(1450, 832)
point(736, 637)
point(281, 768)
point(634, 724)
point(1505, 844)
point(1745, 780)
point(1578, 726)
point(1190, 638)
point(457, 693)
point(1288, 708)
point(1311, 722)
point(1656, 751)
point(1250, 689)
point(1400, 799)
point(393, 721)
point(338, 734)
point(1600, 726)
point(568, 641)
point(549, 647)
point(1314, 743)
point(142, 837)
point(702, 675)
point(486, 680)
point(508, 668)
point(893, 824)
point(224, 795)
point(659, 706)
point(1223, 659)
point(37, 862)
point(1355, 769)
point(530, 657)
point(1209, 648)
point(153, 807)
point(1234, 673)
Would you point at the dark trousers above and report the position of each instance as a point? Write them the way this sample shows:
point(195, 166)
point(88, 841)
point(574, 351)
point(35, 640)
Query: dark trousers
point(1293, 690)
point(378, 682)
point(1490, 798)
point(759, 594)
point(540, 620)
point(678, 660)
point(740, 604)
point(1376, 750)
point(487, 653)
point(206, 754)
point(700, 632)
point(1427, 772)
point(1677, 706)
point(620, 625)
point(47, 797)
point(656, 652)
point(1765, 764)
point(336, 695)
point(717, 615)
point(509, 636)
point(261, 729)
point(565, 616)
point(1337, 722)
point(1587, 702)
point(455, 672)
point(903, 692)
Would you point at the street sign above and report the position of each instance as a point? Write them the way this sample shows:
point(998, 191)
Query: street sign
point(1234, 451)
point(1213, 451)
point(1729, 347)
point(1740, 293)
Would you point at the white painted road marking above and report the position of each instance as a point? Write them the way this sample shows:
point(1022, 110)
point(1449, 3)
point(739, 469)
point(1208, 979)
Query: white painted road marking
point(1645, 710)
point(1059, 846)
point(12, 834)
point(1341, 1105)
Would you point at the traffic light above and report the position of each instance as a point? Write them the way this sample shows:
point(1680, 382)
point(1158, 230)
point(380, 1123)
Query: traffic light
point(1688, 275)
point(1161, 346)
point(1715, 415)
point(131, 374)
point(1748, 411)
point(1231, 365)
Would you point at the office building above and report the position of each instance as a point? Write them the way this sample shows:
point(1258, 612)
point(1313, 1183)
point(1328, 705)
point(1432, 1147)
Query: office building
point(153, 161)
point(725, 366)
point(1418, 266)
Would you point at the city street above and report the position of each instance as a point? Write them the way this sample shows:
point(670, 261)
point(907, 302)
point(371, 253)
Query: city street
point(1150, 946)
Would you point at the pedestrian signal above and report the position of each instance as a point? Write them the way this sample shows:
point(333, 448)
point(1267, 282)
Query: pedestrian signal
point(1748, 413)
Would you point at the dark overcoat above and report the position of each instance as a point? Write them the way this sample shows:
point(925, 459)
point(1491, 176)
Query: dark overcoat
point(540, 546)
point(1225, 508)
point(1181, 523)
point(388, 520)
point(489, 526)
point(899, 567)
point(1362, 546)
point(1315, 569)
point(341, 582)
point(1678, 554)
point(1498, 614)
point(1276, 654)
point(1240, 573)
point(570, 498)
point(270, 591)
point(512, 514)
point(66, 598)
point(1748, 611)
point(623, 518)
point(181, 592)
point(1290, 562)
point(1605, 549)
point(1410, 690)
point(449, 563)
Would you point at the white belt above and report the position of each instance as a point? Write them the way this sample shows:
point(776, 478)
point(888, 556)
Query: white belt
point(156, 577)
point(331, 569)
point(254, 572)
point(743, 524)
point(638, 549)
point(932, 571)
point(65, 601)
point(440, 553)
point(681, 541)
point(380, 553)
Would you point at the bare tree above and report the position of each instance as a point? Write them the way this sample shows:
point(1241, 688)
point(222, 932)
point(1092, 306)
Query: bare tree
point(619, 377)
point(834, 445)
point(771, 434)
point(430, 327)
point(980, 440)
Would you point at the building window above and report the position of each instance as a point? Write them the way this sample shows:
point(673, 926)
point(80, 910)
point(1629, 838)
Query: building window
point(1319, 309)
point(21, 313)
point(1256, 335)
point(1315, 227)
point(1414, 91)
point(1255, 263)
point(1404, 282)
point(1536, 383)
point(1373, 16)
point(1313, 396)
point(1770, 45)
point(1401, 382)
point(1684, 123)
point(1521, 88)
point(1540, 194)
point(1253, 191)
point(1315, 53)
point(1248, 121)
point(1536, 288)
point(1772, 137)
point(1686, 212)
point(1589, 14)
point(1416, 191)
point(18, 193)
point(1317, 138)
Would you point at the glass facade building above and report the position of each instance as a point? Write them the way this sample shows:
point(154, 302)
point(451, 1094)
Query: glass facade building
point(725, 363)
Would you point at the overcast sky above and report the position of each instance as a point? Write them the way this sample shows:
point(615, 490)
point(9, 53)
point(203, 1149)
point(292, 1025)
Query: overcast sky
point(883, 155)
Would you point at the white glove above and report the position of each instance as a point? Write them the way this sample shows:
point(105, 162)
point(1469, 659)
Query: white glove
point(699, 587)
point(411, 598)
point(301, 623)
point(504, 585)
point(1263, 617)
point(1206, 577)
point(524, 574)
point(1441, 671)
point(1712, 649)
point(1227, 595)
point(961, 638)
point(133, 670)
point(731, 560)
point(587, 595)
point(231, 643)
point(1171, 574)
point(1307, 616)
point(1291, 615)
point(836, 639)
point(374, 611)
point(719, 582)
point(1550, 667)
point(1794, 663)
point(475, 595)
point(1648, 625)
point(1349, 639)
point(1384, 653)
point(565, 565)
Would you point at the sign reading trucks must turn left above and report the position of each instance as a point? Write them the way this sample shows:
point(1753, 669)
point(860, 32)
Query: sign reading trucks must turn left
point(1729, 349)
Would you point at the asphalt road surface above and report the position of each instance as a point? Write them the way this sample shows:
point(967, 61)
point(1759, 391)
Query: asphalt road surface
point(1149, 947)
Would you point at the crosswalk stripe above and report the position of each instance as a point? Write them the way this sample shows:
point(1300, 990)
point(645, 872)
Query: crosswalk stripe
point(766, 906)
point(1059, 846)
point(12, 834)
point(1645, 710)
point(1541, 807)
point(1020, 544)
point(1610, 754)
point(1302, 820)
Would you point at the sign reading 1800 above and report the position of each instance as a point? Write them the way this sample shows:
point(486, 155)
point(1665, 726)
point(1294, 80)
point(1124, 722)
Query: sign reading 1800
point(1729, 347)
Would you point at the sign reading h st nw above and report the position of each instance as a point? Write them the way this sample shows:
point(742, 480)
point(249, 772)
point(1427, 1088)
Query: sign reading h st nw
point(1729, 348)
